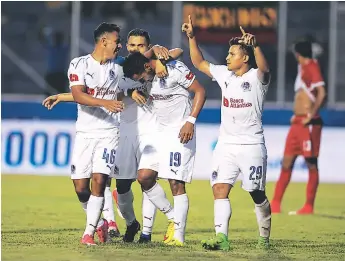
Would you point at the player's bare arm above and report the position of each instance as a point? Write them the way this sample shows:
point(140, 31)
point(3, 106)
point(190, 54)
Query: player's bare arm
point(195, 54)
point(52, 100)
point(263, 68)
point(187, 131)
point(82, 98)
point(161, 70)
point(155, 51)
point(319, 100)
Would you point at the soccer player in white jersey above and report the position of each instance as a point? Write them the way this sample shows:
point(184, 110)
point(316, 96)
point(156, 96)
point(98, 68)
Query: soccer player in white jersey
point(137, 141)
point(175, 137)
point(93, 81)
point(241, 144)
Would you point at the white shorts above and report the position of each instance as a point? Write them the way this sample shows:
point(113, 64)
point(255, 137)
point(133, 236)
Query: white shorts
point(176, 160)
point(229, 160)
point(136, 152)
point(93, 155)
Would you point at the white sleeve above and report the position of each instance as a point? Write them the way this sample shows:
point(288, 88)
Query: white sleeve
point(127, 83)
point(185, 77)
point(76, 72)
point(219, 72)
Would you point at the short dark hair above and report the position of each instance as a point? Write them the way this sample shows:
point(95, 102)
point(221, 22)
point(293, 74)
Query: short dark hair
point(104, 28)
point(247, 50)
point(134, 64)
point(140, 32)
point(303, 48)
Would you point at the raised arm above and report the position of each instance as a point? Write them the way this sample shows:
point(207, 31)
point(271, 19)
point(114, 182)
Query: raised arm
point(263, 68)
point(195, 54)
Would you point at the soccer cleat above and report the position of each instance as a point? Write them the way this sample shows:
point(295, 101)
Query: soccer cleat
point(117, 203)
point(306, 210)
point(102, 232)
point(88, 240)
point(144, 238)
point(113, 229)
point(263, 243)
point(131, 231)
point(175, 242)
point(170, 232)
point(275, 207)
point(219, 242)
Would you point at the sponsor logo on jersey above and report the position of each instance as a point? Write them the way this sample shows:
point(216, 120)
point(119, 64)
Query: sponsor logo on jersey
point(236, 103)
point(73, 78)
point(161, 97)
point(189, 76)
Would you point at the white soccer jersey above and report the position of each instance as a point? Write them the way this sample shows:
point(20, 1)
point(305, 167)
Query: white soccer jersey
point(101, 81)
point(136, 119)
point(242, 104)
point(170, 96)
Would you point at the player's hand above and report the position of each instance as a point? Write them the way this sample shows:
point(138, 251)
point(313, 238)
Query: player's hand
point(51, 101)
point(186, 132)
point(113, 106)
point(138, 97)
point(161, 70)
point(188, 28)
point(247, 39)
point(161, 52)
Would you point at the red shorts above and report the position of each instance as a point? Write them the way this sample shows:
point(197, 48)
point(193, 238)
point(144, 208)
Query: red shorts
point(304, 140)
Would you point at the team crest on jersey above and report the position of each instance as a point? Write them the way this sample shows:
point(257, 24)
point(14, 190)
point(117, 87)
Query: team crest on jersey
point(111, 75)
point(214, 175)
point(246, 86)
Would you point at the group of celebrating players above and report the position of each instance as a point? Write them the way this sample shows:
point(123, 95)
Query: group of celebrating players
point(136, 121)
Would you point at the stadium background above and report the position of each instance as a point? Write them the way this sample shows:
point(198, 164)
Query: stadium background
point(37, 141)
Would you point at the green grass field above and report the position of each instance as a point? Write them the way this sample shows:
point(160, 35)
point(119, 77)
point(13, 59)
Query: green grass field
point(43, 220)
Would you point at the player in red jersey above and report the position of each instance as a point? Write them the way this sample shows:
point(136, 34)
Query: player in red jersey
point(305, 132)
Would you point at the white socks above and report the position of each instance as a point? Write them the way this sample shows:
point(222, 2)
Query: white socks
point(263, 216)
point(93, 213)
point(125, 203)
point(222, 214)
point(84, 206)
point(149, 214)
point(108, 209)
point(157, 196)
point(181, 206)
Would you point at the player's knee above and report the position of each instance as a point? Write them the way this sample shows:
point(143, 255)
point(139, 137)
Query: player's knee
point(258, 196)
point(147, 179)
point(83, 194)
point(123, 185)
point(311, 163)
point(177, 187)
point(99, 179)
point(287, 163)
point(221, 191)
